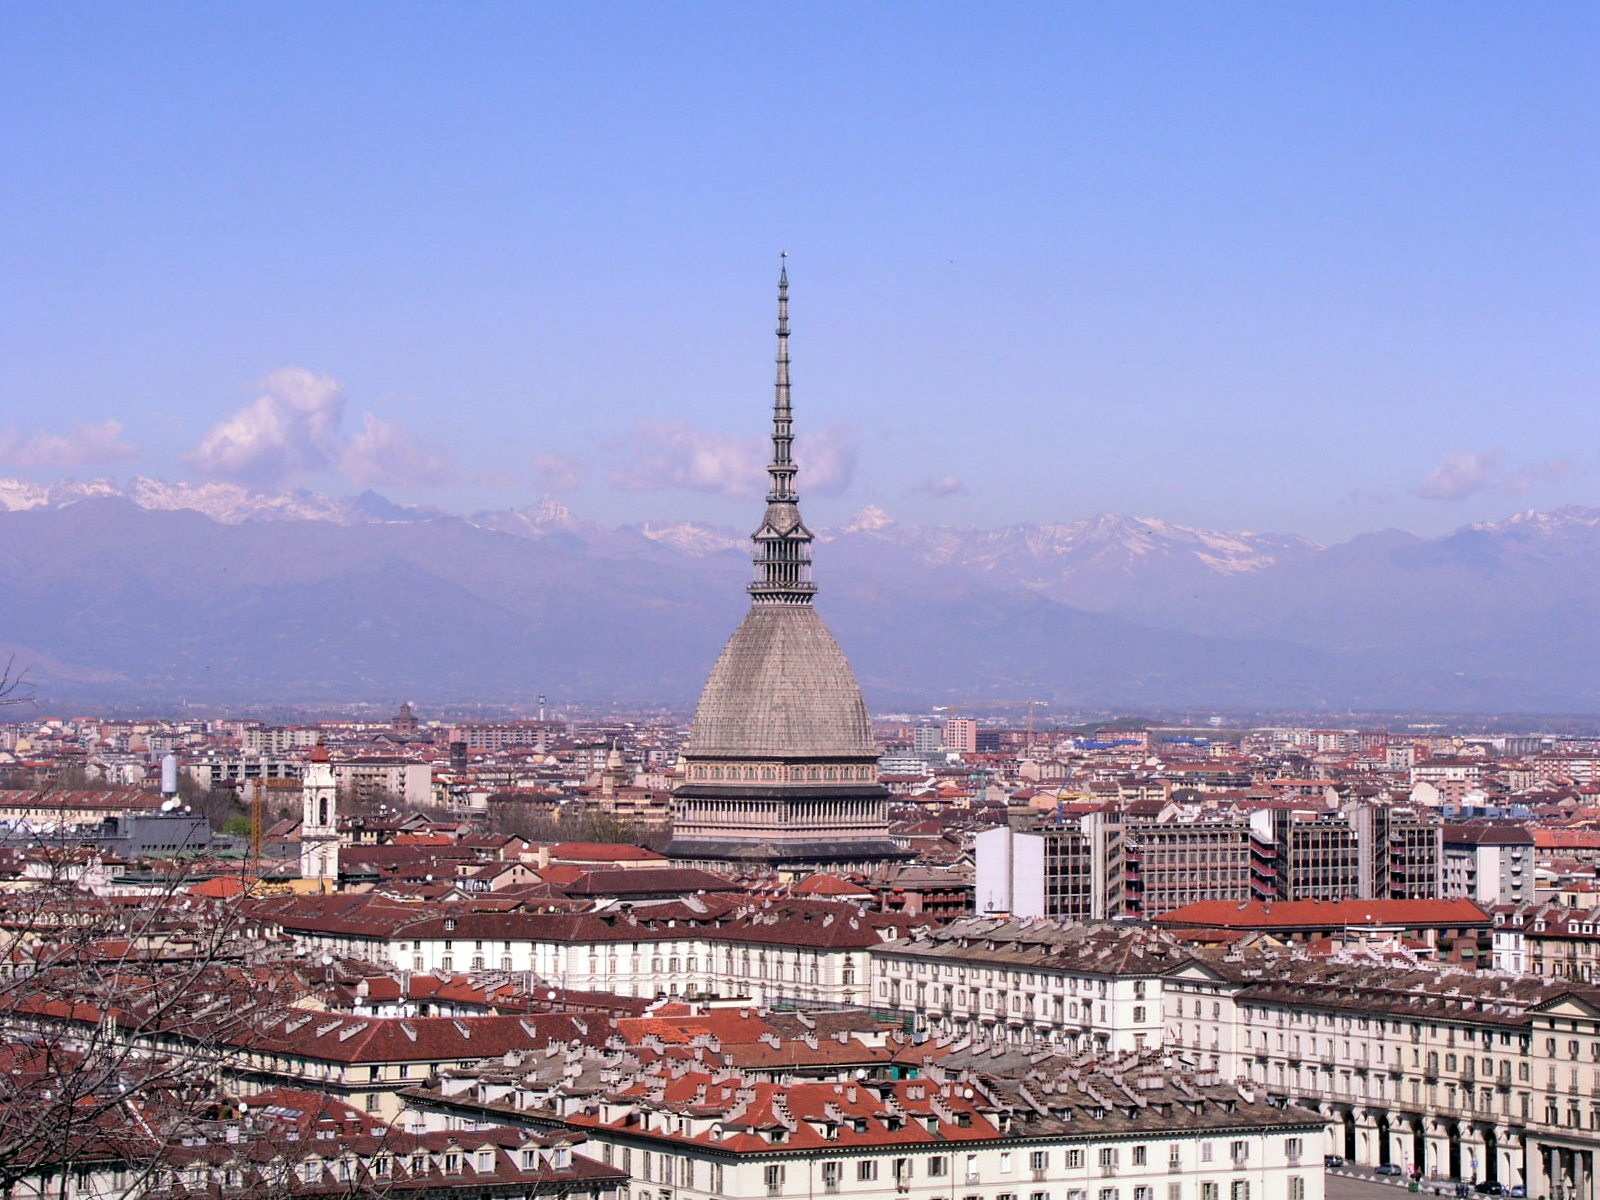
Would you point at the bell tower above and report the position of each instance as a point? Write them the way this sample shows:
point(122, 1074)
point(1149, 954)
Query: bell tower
point(319, 821)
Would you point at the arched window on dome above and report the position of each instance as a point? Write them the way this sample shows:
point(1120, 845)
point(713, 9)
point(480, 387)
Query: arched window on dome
point(831, 774)
point(816, 774)
point(716, 772)
point(768, 773)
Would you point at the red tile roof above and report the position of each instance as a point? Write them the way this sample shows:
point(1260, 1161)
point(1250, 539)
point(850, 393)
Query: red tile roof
point(1323, 914)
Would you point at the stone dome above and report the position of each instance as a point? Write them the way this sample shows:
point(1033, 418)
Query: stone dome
point(782, 689)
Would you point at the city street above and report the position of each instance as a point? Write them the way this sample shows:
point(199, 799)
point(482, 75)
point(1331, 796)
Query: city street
point(1355, 1183)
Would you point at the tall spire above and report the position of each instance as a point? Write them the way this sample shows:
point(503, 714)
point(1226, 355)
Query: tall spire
point(783, 543)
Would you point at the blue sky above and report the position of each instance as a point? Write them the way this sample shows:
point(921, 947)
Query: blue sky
point(1315, 267)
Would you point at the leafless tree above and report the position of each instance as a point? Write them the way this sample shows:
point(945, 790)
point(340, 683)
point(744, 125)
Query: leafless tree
point(111, 1004)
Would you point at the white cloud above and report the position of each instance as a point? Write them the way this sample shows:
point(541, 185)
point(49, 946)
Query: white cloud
point(827, 459)
point(1532, 475)
point(290, 429)
point(939, 486)
point(559, 472)
point(665, 455)
point(386, 454)
point(294, 429)
point(84, 446)
point(1462, 473)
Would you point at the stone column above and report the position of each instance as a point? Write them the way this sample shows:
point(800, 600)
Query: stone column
point(1473, 1150)
point(1366, 1137)
point(1534, 1172)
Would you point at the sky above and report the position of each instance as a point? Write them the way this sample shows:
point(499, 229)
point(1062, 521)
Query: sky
point(1313, 268)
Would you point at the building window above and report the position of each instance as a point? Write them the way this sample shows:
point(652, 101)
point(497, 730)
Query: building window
point(1139, 1158)
point(1240, 1190)
point(867, 1170)
point(1297, 1188)
point(1074, 1159)
point(773, 1176)
point(1039, 1160)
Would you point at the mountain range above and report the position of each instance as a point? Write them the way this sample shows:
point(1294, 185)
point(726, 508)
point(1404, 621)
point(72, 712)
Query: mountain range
point(150, 592)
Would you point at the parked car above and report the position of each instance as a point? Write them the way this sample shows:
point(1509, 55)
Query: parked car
point(1491, 1187)
point(1388, 1169)
point(1332, 1160)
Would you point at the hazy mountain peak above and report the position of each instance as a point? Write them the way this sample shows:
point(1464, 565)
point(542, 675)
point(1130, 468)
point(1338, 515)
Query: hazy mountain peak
point(549, 511)
point(868, 520)
point(1568, 516)
point(686, 537)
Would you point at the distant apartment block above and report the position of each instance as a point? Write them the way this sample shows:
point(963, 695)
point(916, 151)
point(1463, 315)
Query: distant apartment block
point(507, 734)
point(961, 735)
point(1492, 864)
point(1142, 859)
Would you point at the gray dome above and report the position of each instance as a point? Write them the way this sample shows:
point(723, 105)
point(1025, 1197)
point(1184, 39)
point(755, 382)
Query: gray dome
point(782, 689)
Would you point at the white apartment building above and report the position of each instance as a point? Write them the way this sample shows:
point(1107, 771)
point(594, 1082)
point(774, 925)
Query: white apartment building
point(1442, 1072)
point(996, 979)
point(978, 1128)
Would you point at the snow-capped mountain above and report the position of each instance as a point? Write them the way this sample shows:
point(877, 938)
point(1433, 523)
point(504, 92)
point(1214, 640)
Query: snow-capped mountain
point(228, 503)
point(696, 541)
point(298, 594)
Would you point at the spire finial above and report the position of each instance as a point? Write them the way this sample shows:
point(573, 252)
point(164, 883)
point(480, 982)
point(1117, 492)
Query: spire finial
point(783, 543)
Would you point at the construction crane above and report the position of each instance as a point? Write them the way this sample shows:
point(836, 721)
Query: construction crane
point(258, 812)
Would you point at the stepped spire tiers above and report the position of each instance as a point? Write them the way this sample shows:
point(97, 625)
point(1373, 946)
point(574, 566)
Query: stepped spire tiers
point(783, 543)
point(780, 770)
